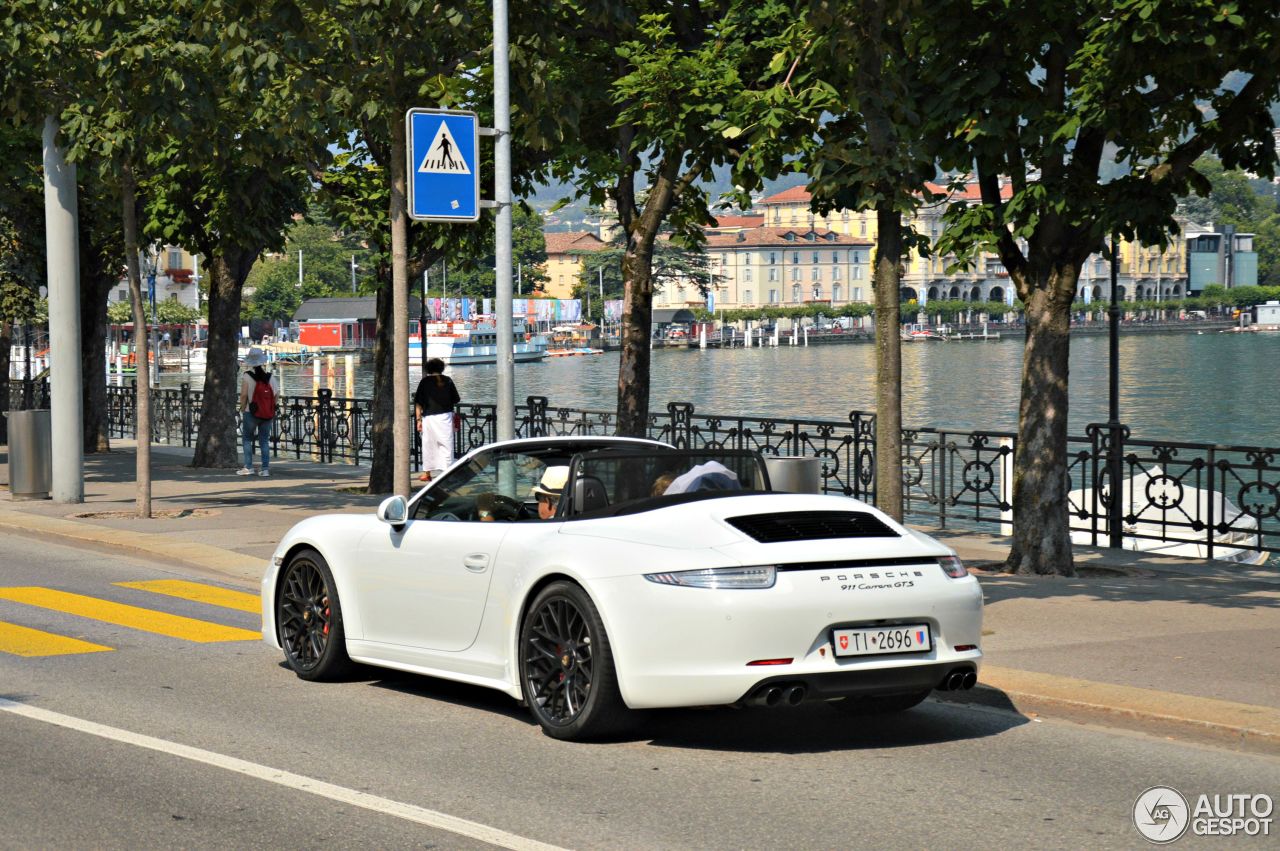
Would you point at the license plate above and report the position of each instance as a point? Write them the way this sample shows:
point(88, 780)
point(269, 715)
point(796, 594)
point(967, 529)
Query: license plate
point(876, 640)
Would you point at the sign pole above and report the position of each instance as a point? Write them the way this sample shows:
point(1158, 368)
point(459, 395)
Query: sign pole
point(506, 409)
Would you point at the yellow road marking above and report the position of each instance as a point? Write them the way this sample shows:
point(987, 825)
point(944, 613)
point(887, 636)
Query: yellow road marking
point(21, 641)
point(239, 600)
point(133, 617)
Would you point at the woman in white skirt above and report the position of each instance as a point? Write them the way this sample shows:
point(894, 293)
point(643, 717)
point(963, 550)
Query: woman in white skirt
point(434, 401)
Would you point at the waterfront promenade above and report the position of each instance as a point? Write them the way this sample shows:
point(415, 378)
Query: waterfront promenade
point(1171, 647)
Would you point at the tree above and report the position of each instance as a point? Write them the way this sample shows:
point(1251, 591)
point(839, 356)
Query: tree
point(1230, 199)
point(673, 265)
point(1040, 102)
point(645, 92)
point(859, 65)
point(472, 273)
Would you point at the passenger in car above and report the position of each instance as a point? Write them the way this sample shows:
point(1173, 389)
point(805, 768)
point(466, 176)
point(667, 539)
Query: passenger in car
point(711, 476)
point(548, 491)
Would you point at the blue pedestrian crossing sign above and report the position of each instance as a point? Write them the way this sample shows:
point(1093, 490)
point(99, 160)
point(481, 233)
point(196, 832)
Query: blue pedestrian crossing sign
point(444, 165)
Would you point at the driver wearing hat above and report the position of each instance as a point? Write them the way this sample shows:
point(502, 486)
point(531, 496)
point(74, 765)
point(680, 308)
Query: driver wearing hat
point(549, 489)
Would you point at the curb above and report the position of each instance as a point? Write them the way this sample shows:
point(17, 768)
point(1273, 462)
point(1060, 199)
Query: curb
point(153, 544)
point(1028, 692)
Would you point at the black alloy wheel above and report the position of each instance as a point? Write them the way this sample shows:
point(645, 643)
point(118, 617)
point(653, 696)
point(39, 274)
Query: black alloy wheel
point(566, 666)
point(309, 618)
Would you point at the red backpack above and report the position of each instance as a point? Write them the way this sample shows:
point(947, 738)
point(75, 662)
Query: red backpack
point(263, 403)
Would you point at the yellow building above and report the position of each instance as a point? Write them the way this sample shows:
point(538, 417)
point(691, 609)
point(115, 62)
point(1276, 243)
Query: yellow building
point(783, 267)
point(1145, 270)
point(564, 265)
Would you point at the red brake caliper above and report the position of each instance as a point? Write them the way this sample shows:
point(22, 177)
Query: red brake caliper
point(325, 601)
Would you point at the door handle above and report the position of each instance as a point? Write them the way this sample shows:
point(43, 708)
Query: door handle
point(476, 562)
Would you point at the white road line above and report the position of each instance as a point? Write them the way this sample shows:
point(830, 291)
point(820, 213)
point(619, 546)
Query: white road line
point(408, 812)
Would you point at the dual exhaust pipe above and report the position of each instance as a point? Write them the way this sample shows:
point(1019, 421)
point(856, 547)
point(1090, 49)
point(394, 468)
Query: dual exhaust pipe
point(958, 680)
point(778, 694)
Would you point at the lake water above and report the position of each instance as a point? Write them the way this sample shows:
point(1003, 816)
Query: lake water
point(1211, 387)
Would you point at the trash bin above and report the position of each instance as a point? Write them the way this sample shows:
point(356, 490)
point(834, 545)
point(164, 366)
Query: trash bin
point(794, 475)
point(30, 455)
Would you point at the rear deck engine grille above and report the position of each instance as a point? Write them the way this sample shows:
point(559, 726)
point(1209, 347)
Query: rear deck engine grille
point(810, 526)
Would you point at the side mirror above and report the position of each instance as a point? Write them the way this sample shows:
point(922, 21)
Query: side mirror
point(393, 510)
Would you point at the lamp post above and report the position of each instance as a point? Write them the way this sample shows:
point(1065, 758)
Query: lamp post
point(1114, 427)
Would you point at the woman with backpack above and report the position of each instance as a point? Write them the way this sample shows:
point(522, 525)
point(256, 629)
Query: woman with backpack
point(434, 401)
point(259, 390)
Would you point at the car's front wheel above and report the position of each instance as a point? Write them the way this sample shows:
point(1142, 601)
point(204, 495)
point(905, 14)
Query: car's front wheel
point(566, 666)
point(309, 616)
point(881, 704)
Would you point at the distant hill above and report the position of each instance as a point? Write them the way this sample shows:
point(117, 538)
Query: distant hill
point(574, 216)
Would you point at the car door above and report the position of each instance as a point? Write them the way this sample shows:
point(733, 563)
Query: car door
point(425, 584)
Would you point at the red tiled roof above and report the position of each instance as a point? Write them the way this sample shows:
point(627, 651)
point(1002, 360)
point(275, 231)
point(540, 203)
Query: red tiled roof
point(561, 242)
point(796, 194)
point(970, 192)
point(778, 236)
point(744, 221)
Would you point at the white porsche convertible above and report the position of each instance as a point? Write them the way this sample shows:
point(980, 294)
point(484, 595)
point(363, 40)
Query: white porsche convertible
point(593, 576)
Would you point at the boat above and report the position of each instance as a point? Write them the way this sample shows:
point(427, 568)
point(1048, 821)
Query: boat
point(572, 340)
point(920, 334)
point(1152, 487)
point(465, 343)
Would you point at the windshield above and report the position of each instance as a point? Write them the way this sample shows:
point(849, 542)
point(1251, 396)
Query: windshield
point(639, 481)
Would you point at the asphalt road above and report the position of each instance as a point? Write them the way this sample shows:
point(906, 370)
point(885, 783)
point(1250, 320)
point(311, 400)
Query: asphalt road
point(215, 744)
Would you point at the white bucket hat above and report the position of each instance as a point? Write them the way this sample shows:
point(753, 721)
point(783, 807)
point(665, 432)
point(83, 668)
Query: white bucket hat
point(553, 481)
point(256, 357)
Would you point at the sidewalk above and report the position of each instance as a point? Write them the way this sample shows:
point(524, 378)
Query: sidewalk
point(1175, 646)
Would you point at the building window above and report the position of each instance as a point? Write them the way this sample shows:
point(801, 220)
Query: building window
point(746, 296)
point(817, 274)
point(773, 274)
point(857, 273)
point(122, 295)
point(857, 294)
point(862, 226)
point(795, 257)
point(175, 258)
point(816, 258)
point(773, 258)
point(746, 274)
point(835, 292)
point(844, 215)
point(835, 257)
point(835, 273)
point(817, 291)
point(855, 256)
point(795, 292)
point(773, 296)
point(795, 273)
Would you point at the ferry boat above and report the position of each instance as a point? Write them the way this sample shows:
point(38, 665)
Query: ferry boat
point(571, 340)
point(463, 343)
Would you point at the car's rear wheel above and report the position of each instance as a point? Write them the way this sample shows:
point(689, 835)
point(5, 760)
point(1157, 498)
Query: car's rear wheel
point(880, 704)
point(310, 619)
point(566, 665)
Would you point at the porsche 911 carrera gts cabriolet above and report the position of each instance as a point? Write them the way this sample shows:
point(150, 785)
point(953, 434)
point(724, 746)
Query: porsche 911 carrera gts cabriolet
point(589, 577)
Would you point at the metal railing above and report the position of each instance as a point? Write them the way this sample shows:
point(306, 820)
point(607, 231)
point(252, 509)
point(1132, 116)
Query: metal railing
point(1212, 496)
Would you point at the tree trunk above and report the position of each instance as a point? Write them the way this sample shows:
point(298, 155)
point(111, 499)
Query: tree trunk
point(637, 324)
point(95, 284)
point(1041, 537)
point(216, 444)
point(383, 449)
point(142, 399)
point(888, 362)
point(399, 216)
